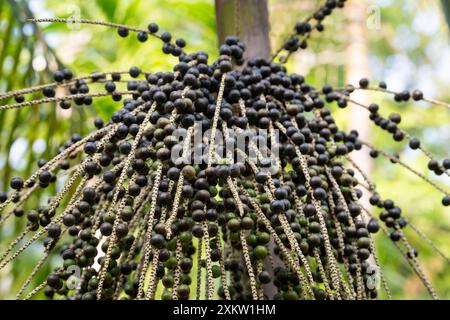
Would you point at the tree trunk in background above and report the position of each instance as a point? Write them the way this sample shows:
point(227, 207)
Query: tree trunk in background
point(357, 66)
point(248, 19)
point(446, 8)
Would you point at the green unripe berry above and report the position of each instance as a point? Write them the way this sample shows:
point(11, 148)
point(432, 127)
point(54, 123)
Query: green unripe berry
point(260, 252)
point(263, 238)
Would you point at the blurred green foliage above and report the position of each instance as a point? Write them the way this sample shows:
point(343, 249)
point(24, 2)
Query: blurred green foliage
point(93, 48)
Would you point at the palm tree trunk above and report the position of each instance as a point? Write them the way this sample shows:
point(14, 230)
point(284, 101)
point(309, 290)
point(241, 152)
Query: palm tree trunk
point(248, 19)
